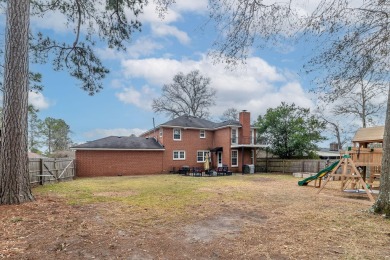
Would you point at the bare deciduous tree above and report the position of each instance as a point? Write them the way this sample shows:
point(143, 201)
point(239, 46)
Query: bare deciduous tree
point(353, 39)
point(365, 101)
point(229, 114)
point(189, 94)
point(336, 127)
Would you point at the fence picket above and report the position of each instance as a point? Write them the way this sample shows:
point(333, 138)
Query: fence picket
point(289, 166)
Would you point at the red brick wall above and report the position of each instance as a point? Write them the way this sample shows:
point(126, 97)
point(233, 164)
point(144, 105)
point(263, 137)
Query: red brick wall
point(91, 163)
point(222, 139)
point(245, 131)
point(190, 143)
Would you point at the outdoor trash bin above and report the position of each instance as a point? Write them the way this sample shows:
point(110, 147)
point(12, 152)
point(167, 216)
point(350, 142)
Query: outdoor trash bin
point(245, 168)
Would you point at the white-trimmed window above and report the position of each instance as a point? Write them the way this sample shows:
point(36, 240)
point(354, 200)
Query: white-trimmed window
point(202, 133)
point(234, 158)
point(234, 136)
point(177, 134)
point(201, 156)
point(179, 155)
point(252, 136)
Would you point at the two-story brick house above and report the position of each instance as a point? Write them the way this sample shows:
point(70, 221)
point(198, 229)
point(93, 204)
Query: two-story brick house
point(183, 141)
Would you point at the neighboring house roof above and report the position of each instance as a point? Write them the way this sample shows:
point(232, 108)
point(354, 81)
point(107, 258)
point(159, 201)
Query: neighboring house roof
point(35, 155)
point(121, 143)
point(63, 154)
point(369, 135)
point(326, 153)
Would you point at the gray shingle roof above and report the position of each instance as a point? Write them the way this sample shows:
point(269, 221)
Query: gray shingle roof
point(121, 142)
point(190, 121)
point(194, 122)
point(228, 123)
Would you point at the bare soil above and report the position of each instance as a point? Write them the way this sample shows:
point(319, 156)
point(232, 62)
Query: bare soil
point(262, 217)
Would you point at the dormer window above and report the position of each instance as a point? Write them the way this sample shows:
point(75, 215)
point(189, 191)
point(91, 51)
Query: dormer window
point(177, 134)
point(234, 136)
point(202, 134)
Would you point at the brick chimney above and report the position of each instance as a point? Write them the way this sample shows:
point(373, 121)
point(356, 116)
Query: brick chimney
point(245, 131)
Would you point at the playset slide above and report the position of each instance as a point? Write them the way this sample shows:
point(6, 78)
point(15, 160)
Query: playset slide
point(320, 174)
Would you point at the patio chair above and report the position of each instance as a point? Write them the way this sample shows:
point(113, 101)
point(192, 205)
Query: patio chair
point(224, 170)
point(197, 171)
point(184, 170)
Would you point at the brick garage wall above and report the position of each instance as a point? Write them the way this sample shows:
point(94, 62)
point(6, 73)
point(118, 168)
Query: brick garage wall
point(90, 163)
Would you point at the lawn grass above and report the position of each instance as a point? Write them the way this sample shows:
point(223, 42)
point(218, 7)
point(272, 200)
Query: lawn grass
point(162, 193)
point(260, 216)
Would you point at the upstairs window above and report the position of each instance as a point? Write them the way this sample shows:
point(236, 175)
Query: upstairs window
point(177, 134)
point(202, 134)
point(252, 136)
point(234, 136)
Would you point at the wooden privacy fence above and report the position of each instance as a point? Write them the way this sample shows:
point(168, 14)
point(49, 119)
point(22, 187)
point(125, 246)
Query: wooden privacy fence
point(43, 170)
point(289, 166)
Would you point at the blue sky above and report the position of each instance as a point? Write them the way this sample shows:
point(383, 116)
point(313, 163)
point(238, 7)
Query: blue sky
point(179, 43)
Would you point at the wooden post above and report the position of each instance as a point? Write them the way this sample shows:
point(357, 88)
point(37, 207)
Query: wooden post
point(41, 178)
point(318, 166)
point(55, 169)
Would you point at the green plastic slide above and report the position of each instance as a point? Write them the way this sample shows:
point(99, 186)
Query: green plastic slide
point(320, 174)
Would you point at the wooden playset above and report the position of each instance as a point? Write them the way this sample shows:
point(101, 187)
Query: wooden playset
point(356, 164)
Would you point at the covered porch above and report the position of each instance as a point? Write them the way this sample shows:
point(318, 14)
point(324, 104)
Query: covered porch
point(246, 155)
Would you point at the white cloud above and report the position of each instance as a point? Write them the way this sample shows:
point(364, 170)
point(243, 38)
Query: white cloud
point(142, 47)
point(150, 15)
point(100, 133)
point(199, 6)
point(52, 20)
point(38, 100)
point(168, 30)
point(140, 98)
point(255, 87)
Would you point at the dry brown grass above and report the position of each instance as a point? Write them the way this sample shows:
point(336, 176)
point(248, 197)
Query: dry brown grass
point(176, 217)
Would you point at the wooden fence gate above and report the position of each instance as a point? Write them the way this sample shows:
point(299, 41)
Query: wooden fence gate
point(43, 170)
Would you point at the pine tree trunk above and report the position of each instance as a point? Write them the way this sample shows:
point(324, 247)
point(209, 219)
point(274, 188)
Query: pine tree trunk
point(14, 175)
point(382, 205)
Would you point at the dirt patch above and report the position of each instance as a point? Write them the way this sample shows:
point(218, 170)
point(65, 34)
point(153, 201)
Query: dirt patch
point(227, 225)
